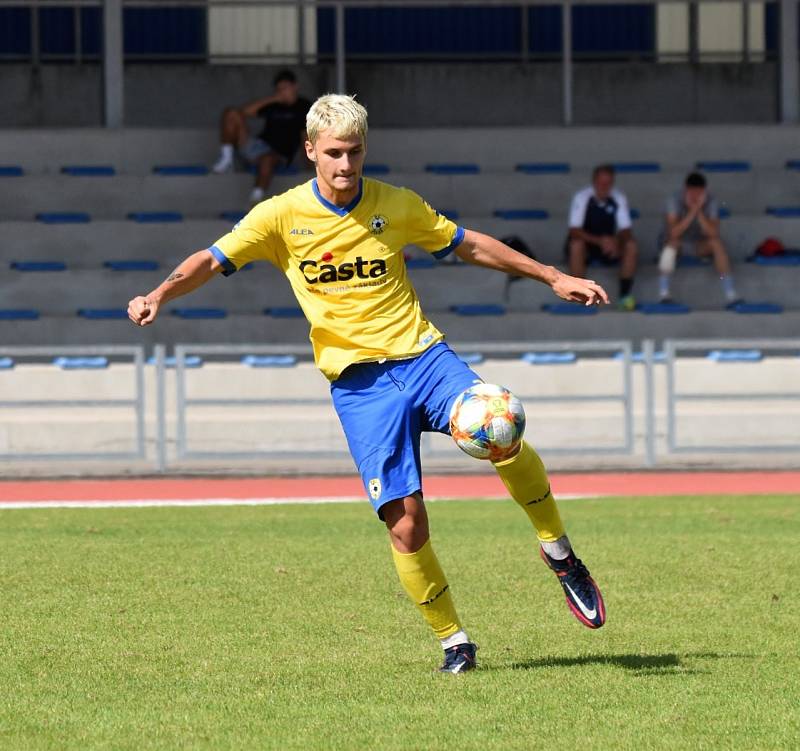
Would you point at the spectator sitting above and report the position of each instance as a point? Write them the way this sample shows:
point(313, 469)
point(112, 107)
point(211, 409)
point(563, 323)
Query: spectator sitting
point(284, 115)
point(600, 229)
point(693, 217)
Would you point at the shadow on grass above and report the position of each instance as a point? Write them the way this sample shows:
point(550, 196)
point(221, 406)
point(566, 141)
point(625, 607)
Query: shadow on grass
point(640, 665)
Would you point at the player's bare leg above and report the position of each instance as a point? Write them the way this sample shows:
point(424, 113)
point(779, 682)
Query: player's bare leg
point(423, 579)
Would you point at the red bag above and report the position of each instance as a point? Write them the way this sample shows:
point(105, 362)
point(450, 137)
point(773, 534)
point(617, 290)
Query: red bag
point(771, 247)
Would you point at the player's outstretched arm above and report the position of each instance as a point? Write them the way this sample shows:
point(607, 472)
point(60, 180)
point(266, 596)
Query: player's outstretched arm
point(483, 250)
point(192, 273)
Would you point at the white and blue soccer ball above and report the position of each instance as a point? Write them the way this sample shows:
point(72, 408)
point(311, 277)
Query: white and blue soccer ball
point(487, 422)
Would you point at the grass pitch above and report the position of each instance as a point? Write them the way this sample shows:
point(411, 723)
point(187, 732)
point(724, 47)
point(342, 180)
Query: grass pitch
point(285, 628)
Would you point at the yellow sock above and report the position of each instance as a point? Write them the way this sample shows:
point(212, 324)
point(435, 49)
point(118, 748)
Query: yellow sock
point(423, 579)
point(526, 479)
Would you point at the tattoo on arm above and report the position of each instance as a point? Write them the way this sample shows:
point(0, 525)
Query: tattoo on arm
point(175, 275)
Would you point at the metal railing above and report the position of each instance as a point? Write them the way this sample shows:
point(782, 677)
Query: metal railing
point(136, 402)
point(648, 427)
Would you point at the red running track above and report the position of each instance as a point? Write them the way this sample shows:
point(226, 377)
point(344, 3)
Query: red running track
point(435, 486)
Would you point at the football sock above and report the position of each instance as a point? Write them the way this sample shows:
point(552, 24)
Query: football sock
point(625, 287)
point(424, 581)
point(526, 479)
point(728, 287)
point(226, 151)
point(663, 286)
point(459, 637)
point(558, 550)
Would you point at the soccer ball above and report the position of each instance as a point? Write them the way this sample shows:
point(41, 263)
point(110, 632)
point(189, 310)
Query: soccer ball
point(487, 422)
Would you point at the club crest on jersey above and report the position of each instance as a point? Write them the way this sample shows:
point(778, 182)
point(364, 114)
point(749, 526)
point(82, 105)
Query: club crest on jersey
point(375, 488)
point(377, 224)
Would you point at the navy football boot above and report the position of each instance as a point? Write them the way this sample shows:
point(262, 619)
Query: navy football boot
point(583, 595)
point(460, 658)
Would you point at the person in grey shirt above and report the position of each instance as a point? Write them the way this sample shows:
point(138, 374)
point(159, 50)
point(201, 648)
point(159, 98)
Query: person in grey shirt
point(693, 218)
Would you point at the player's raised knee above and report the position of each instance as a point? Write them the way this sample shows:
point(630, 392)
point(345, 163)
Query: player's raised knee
point(487, 422)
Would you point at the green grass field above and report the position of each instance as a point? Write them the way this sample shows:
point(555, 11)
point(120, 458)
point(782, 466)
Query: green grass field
point(285, 627)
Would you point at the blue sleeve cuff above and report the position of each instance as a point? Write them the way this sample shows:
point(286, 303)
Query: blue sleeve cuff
point(227, 265)
point(458, 238)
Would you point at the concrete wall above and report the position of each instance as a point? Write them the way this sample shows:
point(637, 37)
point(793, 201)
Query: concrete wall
point(402, 95)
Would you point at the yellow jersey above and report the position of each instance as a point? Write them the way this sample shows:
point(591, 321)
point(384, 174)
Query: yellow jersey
point(346, 266)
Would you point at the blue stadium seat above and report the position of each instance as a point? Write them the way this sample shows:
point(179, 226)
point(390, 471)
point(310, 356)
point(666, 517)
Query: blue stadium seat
point(288, 312)
point(636, 167)
point(732, 165)
point(190, 361)
point(88, 170)
point(635, 214)
point(639, 356)
point(569, 309)
point(691, 262)
point(132, 265)
point(451, 214)
point(663, 308)
point(38, 266)
point(724, 212)
point(735, 355)
point(155, 217)
point(421, 263)
point(784, 212)
point(102, 314)
point(453, 169)
point(81, 363)
point(63, 217)
point(376, 169)
point(170, 170)
point(543, 168)
point(478, 310)
point(756, 308)
point(789, 258)
point(269, 361)
point(11, 170)
point(192, 313)
point(18, 314)
point(793, 164)
point(514, 214)
point(233, 216)
point(6, 363)
point(470, 358)
point(549, 358)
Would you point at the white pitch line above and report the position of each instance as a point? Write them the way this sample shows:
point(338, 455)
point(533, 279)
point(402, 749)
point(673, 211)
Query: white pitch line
point(191, 502)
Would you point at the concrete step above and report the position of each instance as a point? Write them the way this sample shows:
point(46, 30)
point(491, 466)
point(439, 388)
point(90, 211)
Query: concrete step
point(136, 150)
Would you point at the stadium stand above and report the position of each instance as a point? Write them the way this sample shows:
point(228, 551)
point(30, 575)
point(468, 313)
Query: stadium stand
point(113, 237)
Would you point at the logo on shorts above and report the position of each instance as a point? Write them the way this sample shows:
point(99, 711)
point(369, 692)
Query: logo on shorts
point(375, 488)
point(377, 224)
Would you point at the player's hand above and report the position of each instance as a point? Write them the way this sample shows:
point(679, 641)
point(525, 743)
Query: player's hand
point(585, 291)
point(143, 310)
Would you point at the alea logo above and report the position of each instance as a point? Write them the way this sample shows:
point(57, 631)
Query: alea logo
point(361, 268)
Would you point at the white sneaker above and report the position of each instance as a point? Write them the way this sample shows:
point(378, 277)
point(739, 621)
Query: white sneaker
point(666, 261)
point(223, 165)
point(257, 195)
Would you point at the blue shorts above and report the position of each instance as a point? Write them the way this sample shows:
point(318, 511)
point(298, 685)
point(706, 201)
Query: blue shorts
point(385, 407)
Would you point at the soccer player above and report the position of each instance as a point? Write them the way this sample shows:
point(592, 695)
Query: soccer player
point(339, 240)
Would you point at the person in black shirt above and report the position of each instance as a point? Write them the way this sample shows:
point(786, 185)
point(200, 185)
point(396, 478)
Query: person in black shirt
point(600, 230)
point(284, 114)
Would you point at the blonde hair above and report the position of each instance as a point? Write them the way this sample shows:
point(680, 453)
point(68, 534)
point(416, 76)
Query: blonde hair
point(339, 113)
